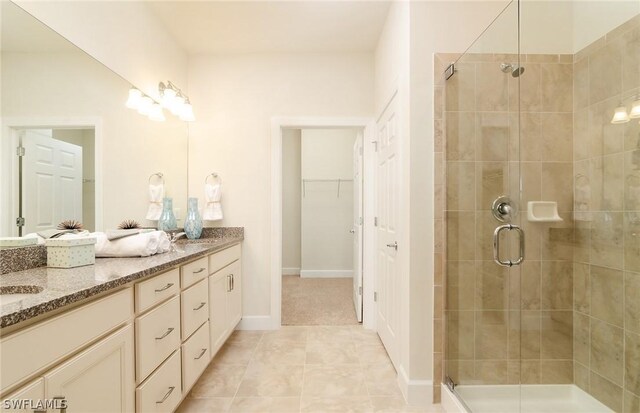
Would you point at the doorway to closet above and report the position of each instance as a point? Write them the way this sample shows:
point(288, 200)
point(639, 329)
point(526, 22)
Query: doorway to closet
point(322, 217)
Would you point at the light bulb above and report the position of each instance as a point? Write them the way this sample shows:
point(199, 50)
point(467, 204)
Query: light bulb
point(620, 115)
point(635, 110)
point(156, 113)
point(144, 107)
point(176, 106)
point(186, 113)
point(168, 94)
point(134, 98)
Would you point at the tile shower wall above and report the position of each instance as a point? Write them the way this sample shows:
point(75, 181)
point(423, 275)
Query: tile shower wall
point(489, 308)
point(607, 219)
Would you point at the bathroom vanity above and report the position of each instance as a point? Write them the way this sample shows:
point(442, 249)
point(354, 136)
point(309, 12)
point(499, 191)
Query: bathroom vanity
point(124, 335)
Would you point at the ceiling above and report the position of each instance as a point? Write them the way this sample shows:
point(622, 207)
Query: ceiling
point(300, 26)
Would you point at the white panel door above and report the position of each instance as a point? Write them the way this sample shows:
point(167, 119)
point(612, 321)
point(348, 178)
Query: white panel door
point(387, 192)
point(357, 225)
point(51, 181)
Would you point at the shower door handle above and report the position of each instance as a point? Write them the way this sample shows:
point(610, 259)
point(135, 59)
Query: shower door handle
point(496, 245)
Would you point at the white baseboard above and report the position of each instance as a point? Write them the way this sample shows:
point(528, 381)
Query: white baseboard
point(326, 273)
point(417, 393)
point(255, 322)
point(290, 271)
point(450, 402)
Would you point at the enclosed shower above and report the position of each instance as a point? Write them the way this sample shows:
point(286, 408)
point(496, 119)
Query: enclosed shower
point(540, 123)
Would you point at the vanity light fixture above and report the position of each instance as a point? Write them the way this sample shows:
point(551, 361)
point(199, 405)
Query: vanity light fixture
point(176, 101)
point(144, 106)
point(620, 115)
point(156, 113)
point(635, 109)
point(186, 113)
point(134, 98)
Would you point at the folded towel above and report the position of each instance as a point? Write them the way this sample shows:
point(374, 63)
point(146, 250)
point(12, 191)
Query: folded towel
point(156, 193)
point(57, 233)
point(212, 207)
point(121, 233)
point(139, 245)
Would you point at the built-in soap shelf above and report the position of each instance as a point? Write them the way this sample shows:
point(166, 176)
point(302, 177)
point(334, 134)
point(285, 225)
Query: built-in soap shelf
point(543, 211)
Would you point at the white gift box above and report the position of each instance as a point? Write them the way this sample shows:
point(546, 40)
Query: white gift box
point(70, 253)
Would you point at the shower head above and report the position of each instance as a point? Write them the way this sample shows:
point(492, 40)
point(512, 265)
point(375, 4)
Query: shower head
point(515, 70)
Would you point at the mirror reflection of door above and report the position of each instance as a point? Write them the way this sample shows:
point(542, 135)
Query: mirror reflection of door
point(56, 176)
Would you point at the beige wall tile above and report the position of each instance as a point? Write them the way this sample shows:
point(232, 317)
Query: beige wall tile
point(557, 285)
point(556, 335)
point(581, 84)
point(604, 137)
point(461, 134)
point(632, 241)
point(460, 343)
point(557, 239)
point(557, 177)
point(485, 225)
point(605, 73)
point(438, 135)
point(530, 335)
point(631, 59)
point(605, 391)
point(461, 276)
point(461, 243)
point(531, 285)
point(581, 376)
point(556, 371)
point(492, 291)
point(581, 135)
point(461, 88)
point(491, 371)
point(607, 295)
point(461, 371)
point(439, 98)
point(582, 238)
point(632, 180)
point(529, 175)
point(557, 87)
point(631, 403)
point(606, 239)
point(491, 335)
point(607, 351)
point(530, 371)
point(492, 181)
point(491, 92)
point(581, 338)
point(526, 136)
point(582, 288)
point(460, 189)
point(557, 137)
point(492, 136)
point(632, 303)
point(632, 363)
point(529, 86)
point(630, 132)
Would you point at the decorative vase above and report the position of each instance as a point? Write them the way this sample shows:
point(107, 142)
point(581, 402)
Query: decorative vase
point(167, 220)
point(193, 222)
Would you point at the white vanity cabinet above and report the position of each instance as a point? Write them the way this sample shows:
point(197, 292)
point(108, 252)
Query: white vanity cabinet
point(225, 295)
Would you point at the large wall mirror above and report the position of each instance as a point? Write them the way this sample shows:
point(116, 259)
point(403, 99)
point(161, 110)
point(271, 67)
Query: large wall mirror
point(70, 149)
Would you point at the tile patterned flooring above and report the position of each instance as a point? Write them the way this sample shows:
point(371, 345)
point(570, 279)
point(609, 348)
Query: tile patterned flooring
point(300, 369)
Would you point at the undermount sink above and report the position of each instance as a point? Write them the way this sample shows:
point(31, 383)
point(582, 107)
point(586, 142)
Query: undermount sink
point(13, 293)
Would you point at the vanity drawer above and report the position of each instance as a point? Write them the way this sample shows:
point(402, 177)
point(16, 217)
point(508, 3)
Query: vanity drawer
point(223, 258)
point(157, 335)
point(194, 272)
point(162, 392)
point(195, 308)
point(32, 349)
point(195, 356)
point(157, 289)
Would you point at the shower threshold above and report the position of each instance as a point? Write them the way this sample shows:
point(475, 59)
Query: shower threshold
point(539, 398)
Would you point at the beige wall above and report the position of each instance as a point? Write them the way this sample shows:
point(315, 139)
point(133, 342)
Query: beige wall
point(237, 96)
point(291, 201)
point(327, 245)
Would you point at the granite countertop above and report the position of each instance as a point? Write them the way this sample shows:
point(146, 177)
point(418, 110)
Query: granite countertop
point(62, 287)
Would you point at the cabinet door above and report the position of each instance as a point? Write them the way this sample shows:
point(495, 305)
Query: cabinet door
point(100, 379)
point(234, 299)
point(219, 285)
point(13, 403)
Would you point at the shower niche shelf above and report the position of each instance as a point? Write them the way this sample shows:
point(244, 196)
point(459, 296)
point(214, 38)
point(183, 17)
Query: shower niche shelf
point(543, 211)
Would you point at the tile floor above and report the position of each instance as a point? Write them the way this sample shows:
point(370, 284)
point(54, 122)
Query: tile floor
point(300, 369)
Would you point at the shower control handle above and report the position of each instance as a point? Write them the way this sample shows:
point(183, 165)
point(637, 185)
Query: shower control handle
point(496, 245)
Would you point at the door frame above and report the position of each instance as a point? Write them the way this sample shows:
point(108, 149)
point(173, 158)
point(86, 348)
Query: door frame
point(10, 128)
point(368, 269)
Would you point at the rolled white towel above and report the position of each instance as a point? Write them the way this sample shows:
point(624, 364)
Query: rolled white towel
point(141, 245)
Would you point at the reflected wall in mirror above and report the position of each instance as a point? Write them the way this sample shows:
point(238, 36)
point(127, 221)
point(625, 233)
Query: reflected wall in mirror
point(86, 156)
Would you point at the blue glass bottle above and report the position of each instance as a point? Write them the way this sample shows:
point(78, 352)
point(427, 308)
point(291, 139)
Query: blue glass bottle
point(193, 222)
point(167, 219)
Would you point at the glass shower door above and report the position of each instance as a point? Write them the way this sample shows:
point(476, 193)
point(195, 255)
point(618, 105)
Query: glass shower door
point(484, 242)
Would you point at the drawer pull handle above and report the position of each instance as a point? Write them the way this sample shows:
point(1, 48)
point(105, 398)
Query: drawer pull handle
point(202, 304)
point(166, 287)
point(165, 334)
point(233, 283)
point(199, 271)
point(166, 396)
point(204, 350)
